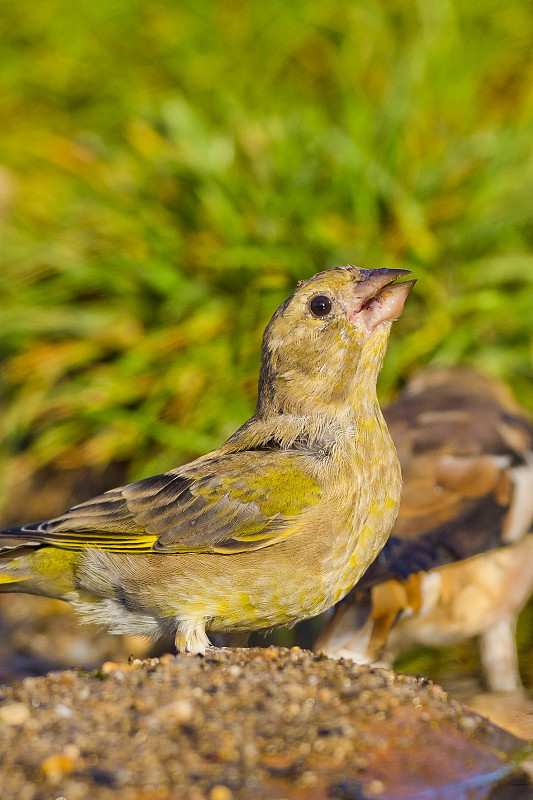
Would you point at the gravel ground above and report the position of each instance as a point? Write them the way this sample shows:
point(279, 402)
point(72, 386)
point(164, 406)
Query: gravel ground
point(247, 725)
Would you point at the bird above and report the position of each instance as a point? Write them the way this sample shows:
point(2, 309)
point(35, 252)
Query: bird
point(459, 561)
point(273, 526)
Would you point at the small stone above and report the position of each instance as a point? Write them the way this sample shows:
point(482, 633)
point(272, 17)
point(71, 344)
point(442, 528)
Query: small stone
point(308, 779)
point(220, 792)
point(63, 711)
point(468, 723)
point(178, 711)
point(57, 765)
point(14, 714)
point(72, 751)
point(269, 654)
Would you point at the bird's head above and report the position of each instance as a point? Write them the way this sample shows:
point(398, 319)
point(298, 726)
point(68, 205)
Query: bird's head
point(328, 338)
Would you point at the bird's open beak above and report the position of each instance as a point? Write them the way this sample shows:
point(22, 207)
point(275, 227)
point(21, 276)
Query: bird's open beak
point(378, 298)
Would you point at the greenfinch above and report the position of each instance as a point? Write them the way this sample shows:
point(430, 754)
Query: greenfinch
point(274, 526)
point(459, 562)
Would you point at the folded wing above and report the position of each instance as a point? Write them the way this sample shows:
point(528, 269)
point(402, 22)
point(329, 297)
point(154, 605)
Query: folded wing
point(226, 504)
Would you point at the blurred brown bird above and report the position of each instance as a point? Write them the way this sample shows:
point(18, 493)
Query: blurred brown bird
point(459, 562)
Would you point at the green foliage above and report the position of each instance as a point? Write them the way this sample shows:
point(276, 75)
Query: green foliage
point(170, 169)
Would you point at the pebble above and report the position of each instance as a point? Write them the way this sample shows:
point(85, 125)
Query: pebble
point(63, 711)
point(178, 711)
point(56, 766)
point(220, 793)
point(14, 714)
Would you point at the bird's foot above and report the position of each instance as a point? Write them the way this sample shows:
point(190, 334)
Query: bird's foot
point(191, 637)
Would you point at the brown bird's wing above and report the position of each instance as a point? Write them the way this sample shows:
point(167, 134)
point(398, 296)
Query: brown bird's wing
point(226, 504)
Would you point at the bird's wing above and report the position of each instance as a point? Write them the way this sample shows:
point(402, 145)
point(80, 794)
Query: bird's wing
point(229, 503)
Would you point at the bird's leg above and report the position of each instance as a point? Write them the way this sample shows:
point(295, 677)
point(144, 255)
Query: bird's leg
point(498, 656)
point(191, 637)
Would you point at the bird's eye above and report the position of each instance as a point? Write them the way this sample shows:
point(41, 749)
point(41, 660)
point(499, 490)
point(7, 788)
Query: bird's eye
point(320, 305)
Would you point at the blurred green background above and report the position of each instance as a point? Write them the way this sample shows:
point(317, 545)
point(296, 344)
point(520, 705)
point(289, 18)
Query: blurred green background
point(169, 170)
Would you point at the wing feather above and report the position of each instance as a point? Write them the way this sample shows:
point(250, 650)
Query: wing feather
point(233, 503)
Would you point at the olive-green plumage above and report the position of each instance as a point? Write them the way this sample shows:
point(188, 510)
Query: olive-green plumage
point(274, 526)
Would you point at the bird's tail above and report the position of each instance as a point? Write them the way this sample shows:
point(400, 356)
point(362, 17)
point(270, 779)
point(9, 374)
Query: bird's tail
point(8, 575)
point(28, 563)
point(15, 545)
